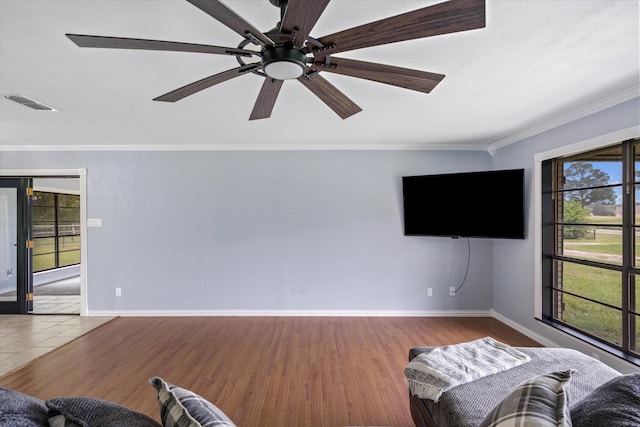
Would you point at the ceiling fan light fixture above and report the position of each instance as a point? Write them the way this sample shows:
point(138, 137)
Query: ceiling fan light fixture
point(283, 70)
point(283, 63)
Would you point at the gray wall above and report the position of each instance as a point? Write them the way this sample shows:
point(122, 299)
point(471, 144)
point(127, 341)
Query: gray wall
point(299, 230)
point(270, 230)
point(513, 264)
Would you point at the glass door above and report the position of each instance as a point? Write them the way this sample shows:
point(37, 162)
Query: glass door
point(16, 278)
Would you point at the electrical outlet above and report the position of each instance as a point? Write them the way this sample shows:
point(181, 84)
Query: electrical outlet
point(429, 292)
point(118, 292)
point(452, 291)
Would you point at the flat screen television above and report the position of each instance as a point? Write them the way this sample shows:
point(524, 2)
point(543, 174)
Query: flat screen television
point(488, 204)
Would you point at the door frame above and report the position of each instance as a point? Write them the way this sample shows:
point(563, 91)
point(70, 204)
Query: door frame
point(59, 173)
point(23, 304)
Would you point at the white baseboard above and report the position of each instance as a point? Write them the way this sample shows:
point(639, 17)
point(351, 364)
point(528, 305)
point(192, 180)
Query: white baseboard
point(290, 313)
point(528, 332)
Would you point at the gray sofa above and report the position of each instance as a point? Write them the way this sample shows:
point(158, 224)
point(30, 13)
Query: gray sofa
point(595, 392)
point(178, 406)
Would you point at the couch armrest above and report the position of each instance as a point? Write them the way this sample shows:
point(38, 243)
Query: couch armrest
point(420, 412)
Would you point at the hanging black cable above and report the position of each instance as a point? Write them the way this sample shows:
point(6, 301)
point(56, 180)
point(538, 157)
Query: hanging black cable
point(466, 273)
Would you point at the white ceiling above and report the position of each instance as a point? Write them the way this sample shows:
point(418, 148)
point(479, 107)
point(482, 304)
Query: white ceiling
point(535, 63)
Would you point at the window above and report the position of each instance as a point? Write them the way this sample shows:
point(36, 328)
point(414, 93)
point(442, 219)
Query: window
point(56, 230)
point(590, 238)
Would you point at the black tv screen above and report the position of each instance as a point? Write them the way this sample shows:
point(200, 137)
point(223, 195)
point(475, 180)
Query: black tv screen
point(488, 204)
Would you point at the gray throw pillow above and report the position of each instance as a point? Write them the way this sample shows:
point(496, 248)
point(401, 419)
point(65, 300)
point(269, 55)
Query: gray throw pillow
point(538, 402)
point(20, 410)
point(89, 412)
point(180, 407)
point(615, 403)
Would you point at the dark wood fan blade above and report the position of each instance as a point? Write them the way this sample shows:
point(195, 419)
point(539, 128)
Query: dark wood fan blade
point(142, 44)
point(231, 19)
point(302, 15)
point(266, 99)
point(190, 89)
point(330, 95)
point(407, 78)
point(443, 18)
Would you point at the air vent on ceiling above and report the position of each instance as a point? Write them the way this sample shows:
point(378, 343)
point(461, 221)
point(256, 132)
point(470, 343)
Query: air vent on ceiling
point(28, 102)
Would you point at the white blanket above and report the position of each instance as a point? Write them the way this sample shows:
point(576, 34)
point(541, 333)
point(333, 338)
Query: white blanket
point(432, 373)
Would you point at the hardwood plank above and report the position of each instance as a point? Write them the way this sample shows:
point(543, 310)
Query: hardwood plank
point(262, 371)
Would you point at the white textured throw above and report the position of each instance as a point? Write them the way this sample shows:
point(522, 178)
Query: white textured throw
point(432, 373)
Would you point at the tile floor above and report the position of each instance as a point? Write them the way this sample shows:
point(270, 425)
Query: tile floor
point(56, 304)
point(27, 337)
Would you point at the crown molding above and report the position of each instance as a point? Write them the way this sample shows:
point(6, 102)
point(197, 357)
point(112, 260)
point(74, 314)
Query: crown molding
point(603, 104)
point(252, 147)
point(44, 173)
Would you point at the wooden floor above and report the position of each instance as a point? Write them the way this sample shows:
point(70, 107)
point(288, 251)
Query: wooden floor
point(262, 371)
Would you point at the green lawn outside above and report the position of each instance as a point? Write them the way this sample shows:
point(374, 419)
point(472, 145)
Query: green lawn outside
point(610, 244)
point(592, 282)
point(594, 318)
point(47, 244)
point(600, 220)
point(44, 252)
point(601, 242)
point(596, 283)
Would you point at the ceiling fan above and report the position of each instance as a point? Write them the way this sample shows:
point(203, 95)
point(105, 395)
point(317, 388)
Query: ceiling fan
point(288, 52)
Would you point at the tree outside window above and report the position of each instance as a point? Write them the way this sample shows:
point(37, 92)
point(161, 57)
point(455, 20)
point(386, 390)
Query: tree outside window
point(589, 241)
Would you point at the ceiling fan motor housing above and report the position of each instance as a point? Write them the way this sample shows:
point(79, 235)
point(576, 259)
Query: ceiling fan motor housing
point(282, 62)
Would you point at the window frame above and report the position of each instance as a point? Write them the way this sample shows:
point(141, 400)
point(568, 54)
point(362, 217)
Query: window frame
point(57, 236)
point(547, 256)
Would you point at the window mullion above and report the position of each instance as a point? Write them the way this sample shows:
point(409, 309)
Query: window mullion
point(56, 231)
point(558, 186)
point(628, 243)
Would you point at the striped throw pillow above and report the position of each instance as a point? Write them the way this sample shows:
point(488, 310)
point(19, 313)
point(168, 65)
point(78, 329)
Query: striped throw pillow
point(183, 408)
point(538, 402)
